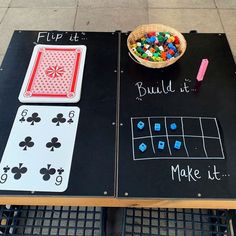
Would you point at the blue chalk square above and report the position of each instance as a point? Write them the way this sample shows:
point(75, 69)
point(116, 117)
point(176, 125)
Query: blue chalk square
point(173, 126)
point(161, 145)
point(157, 126)
point(140, 125)
point(142, 147)
point(177, 145)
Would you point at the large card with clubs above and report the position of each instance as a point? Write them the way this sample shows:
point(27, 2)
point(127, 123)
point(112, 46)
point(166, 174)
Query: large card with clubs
point(39, 150)
point(54, 74)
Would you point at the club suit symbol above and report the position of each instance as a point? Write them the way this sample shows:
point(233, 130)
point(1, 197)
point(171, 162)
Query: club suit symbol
point(34, 118)
point(53, 144)
point(70, 121)
point(47, 172)
point(27, 143)
point(18, 171)
point(59, 119)
point(6, 169)
point(60, 171)
point(22, 119)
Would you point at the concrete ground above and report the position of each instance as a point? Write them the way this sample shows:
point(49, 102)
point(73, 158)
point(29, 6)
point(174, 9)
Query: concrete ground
point(110, 15)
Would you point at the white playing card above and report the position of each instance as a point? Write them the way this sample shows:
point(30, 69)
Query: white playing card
point(54, 74)
point(39, 150)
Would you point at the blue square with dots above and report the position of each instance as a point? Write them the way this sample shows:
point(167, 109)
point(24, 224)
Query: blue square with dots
point(173, 126)
point(177, 145)
point(140, 125)
point(161, 145)
point(142, 147)
point(157, 126)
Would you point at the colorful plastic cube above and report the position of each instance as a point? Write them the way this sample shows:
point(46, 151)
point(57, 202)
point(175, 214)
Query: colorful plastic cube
point(157, 126)
point(142, 147)
point(176, 54)
point(148, 53)
point(161, 48)
point(170, 45)
point(153, 39)
point(161, 145)
point(140, 125)
point(177, 145)
point(168, 56)
point(173, 126)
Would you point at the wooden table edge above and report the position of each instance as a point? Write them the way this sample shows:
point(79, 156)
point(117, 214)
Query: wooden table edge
point(121, 202)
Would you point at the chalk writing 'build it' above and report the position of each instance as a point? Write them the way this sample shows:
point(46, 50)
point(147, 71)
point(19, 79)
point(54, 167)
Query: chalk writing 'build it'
point(162, 88)
point(159, 89)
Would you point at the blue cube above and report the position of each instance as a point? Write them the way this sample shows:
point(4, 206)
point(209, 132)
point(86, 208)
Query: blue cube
point(176, 54)
point(177, 145)
point(174, 49)
point(170, 45)
point(153, 39)
point(157, 126)
point(173, 126)
point(161, 145)
point(140, 125)
point(142, 147)
point(168, 56)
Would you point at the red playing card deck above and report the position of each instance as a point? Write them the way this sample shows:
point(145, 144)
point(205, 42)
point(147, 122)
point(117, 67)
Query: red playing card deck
point(54, 74)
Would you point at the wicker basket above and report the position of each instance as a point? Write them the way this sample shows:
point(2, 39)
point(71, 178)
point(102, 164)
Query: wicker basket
point(141, 30)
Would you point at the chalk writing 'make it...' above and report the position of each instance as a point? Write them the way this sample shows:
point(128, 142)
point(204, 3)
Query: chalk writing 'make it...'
point(191, 174)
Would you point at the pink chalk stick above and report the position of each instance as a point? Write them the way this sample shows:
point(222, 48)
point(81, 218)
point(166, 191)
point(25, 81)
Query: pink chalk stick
point(202, 70)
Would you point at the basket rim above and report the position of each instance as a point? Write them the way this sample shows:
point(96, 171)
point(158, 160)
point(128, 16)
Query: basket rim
point(161, 63)
point(153, 24)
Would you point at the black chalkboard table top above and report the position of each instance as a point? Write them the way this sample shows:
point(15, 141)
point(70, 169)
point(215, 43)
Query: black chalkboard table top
point(92, 168)
point(177, 138)
point(146, 137)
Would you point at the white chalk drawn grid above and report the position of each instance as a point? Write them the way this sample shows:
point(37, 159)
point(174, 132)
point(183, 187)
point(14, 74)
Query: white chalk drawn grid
point(182, 135)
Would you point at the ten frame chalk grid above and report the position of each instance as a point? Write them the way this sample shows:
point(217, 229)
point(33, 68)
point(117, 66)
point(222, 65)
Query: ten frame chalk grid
point(199, 136)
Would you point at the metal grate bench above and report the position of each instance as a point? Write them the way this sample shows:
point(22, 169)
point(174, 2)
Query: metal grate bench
point(51, 220)
point(176, 222)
